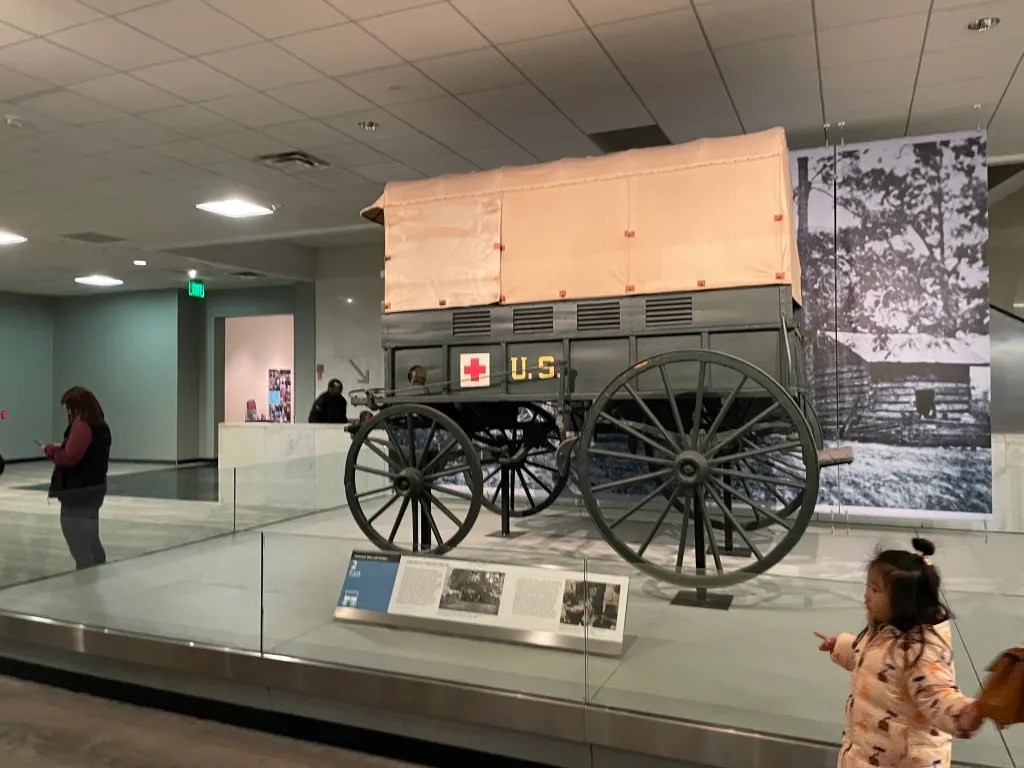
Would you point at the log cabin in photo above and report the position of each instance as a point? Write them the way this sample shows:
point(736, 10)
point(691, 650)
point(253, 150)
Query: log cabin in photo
point(902, 389)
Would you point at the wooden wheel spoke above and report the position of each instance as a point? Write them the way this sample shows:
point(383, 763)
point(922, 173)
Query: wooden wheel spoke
point(378, 472)
point(702, 512)
point(661, 519)
point(753, 504)
point(398, 520)
point(448, 471)
point(639, 505)
point(684, 530)
point(537, 480)
point(726, 459)
point(628, 480)
point(646, 409)
point(526, 487)
point(383, 509)
point(635, 433)
point(727, 514)
point(444, 508)
point(768, 479)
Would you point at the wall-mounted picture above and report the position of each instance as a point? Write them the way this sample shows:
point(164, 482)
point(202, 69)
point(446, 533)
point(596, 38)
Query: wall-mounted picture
point(280, 395)
point(471, 591)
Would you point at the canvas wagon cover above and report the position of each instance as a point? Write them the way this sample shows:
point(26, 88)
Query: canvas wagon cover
point(714, 213)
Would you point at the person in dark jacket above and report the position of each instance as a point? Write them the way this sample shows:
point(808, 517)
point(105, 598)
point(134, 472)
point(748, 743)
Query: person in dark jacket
point(79, 478)
point(330, 407)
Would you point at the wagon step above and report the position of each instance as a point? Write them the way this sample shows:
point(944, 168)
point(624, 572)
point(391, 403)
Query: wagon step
point(833, 457)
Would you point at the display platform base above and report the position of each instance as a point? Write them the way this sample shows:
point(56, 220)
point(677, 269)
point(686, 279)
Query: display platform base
point(546, 607)
point(741, 552)
point(701, 599)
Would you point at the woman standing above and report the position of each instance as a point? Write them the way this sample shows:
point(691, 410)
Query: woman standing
point(80, 475)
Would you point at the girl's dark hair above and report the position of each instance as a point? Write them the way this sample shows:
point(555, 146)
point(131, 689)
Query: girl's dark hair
point(82, 404)
point(914, 586)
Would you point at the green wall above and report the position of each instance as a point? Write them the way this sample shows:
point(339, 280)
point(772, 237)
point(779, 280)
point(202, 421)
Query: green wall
point(26, 374)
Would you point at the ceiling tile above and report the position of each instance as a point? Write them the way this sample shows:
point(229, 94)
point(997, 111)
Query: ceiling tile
point(253, 110)
point(959, 94)
point(191, 80)
point(471, 71)
point(46, 61)
point(115, 44)
point(412, 146)
point(425, 33)
point(759, 96)
point(10, 35)
point(80, 141)
point(385, 172)
point(874, 130)
point(734, 22)
point(504, 22)
point(652, 37)
point(43, 17)
point(119, 6)
point(305, 134)
point(364, 9)
point(463, 137)
point(190, 26)
point(501, 105)
point(392, 85)
point(14, 84)
point(550, 137)
point(510, 155)
point(836, 13)
point(263, 66)
point(569, 56)
point(434, 114)
point(193, 152)
point(248, 143)
point(135, 131)
point(320, 98)
point(246, 171)
point(779, 56)
point(608, 11)
point(854, 107)
point(334, 178)
point(127, 94)
point(948, 28)
point(858, 43)
point(192, 120)
point(997, 61)
point(71, 108)
point(388, 125)
point(351, 154)
point(440, 165)
point(598, 107)
point(265, 17)
point(794, 116)
point(341, 50)
point(897, 73)
point(923, 122)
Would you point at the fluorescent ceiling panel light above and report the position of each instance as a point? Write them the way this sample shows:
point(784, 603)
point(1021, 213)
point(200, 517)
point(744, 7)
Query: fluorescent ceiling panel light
point(234, 208)
point(9, 238)
point(101, 281)
point(139, 263)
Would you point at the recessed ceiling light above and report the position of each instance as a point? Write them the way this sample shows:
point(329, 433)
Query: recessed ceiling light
point(139, 263)
point(984, 24)
point(367, 125)
point(10, 238)
point(101, 281)
point(235, 208)
point(349, 300)
point(192, 274)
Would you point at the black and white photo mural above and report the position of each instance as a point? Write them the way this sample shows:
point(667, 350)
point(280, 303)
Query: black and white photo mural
point(892, 240)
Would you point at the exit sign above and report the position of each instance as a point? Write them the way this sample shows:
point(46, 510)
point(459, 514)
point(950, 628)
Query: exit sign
point(197, 289)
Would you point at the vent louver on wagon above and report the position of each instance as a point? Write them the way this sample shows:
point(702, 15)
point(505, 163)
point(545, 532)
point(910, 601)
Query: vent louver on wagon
point(598, 316)
point(533, 319)
point(471, 322)
point(661, 311)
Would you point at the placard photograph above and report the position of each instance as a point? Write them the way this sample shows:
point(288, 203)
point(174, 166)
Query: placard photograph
point(472, 591)
point(590, 604)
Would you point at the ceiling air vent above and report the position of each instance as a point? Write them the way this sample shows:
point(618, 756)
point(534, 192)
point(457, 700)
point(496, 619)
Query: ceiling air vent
point(598, 316)
point(246, 275)
point(630, 138)
point(293, 162)
point(664, 311)
point(471, 322)
point(533, 319)
point(93, 237)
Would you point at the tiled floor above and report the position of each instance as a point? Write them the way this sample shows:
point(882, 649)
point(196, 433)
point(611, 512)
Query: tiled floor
point(52, 728)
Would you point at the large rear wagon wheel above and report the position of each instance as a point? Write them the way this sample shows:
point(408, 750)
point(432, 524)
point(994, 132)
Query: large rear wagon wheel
point(723, 437)
point(404, 464)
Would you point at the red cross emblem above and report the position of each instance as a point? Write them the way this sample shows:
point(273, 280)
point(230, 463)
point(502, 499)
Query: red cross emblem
point(475, 370)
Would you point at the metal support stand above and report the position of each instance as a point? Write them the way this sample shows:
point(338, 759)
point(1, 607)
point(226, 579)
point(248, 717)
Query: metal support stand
point(421, 524)
point(505, 478)
point(730, 548)
point(701, 598)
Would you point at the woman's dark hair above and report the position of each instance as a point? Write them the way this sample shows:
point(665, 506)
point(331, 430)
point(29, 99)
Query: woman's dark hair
point(82, 404)
point(914, 587)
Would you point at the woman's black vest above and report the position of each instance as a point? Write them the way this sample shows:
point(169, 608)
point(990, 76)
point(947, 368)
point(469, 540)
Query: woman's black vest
point(87, 480)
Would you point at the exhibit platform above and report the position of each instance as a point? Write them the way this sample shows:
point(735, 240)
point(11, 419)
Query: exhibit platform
point(248, 618)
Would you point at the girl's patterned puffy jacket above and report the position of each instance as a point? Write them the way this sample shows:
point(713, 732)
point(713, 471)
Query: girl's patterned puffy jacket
point(902, 711)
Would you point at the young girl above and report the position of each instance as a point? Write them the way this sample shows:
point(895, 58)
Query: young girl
point(904, 705)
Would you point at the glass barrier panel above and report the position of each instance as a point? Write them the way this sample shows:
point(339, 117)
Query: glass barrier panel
point(303, 579)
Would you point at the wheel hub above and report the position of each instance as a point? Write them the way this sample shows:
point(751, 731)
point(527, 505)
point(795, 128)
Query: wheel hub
point(410, 483)
point(691, 468)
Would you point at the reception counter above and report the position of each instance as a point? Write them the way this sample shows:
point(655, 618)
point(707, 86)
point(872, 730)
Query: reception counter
point(298, 467)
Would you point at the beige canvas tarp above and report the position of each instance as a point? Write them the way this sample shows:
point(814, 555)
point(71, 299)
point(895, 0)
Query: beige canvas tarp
point(714, 213)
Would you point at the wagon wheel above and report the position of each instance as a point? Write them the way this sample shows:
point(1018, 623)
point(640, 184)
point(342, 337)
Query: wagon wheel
point(537, 432)
point(398, 464)
point(711, 420)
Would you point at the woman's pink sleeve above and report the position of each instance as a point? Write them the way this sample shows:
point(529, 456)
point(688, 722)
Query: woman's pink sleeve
point(74, 448)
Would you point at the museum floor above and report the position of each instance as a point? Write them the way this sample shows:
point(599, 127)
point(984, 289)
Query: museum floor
point(271, 589)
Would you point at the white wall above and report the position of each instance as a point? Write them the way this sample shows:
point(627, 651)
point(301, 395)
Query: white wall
point(253, 346)
point(349, 330)
point(26, 375)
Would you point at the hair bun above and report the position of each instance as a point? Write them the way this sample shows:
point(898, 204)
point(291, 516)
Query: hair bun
point(923, 546)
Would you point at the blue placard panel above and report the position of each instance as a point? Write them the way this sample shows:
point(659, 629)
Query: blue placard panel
point(369, 581)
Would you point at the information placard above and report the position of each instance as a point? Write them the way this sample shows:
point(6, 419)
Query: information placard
point(542, 606)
